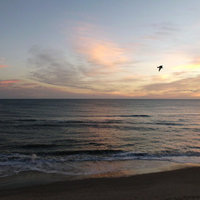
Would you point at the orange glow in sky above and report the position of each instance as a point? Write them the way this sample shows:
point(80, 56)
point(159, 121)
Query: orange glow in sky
point(85, 49)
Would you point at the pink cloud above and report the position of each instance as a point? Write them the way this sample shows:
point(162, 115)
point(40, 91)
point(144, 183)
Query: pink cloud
point(10, 81)
point(2, 66)
point(103, 55)
point(101, 52)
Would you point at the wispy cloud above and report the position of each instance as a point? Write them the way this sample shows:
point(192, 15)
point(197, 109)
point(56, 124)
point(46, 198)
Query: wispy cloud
point(163, 30)
point(51, 67)
point(93, 67)
point(165, 27)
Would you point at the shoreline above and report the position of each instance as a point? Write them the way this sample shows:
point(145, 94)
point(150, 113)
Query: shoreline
point(34, 178)
point(182, 184)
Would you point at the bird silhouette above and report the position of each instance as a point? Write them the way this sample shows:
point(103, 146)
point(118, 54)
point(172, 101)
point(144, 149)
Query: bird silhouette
point(160, 67)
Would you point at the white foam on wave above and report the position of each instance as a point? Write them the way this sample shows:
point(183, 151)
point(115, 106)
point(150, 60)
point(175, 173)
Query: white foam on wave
point(16, 163)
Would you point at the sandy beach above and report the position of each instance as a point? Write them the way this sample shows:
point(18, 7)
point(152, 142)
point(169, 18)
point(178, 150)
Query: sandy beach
point(181, 184)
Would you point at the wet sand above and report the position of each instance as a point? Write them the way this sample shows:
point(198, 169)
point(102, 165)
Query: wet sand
point(181, 184)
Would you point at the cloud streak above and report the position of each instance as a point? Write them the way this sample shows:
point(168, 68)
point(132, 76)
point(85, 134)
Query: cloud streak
point(10, 81)
point(33, 91)
point(51, 67)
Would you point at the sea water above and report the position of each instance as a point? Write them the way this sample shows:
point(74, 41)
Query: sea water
point(91, 137)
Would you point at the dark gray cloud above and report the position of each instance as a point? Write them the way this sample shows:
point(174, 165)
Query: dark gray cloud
point(185, 85)
point(51, 67)
point(164, 30)
point(167, 27)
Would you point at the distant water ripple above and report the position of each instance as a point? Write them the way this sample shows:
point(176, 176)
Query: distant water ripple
point(76, 136)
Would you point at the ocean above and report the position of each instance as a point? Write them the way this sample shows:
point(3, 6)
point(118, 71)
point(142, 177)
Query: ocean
point(85, 137)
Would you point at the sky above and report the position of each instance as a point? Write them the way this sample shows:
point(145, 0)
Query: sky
point(100, 49)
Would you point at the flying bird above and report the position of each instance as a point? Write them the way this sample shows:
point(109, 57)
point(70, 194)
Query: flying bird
point(160, 67)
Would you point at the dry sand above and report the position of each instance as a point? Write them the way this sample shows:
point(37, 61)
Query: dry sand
point(182, 184)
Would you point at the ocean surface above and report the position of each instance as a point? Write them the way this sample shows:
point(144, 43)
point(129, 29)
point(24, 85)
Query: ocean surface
point(88, 137)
